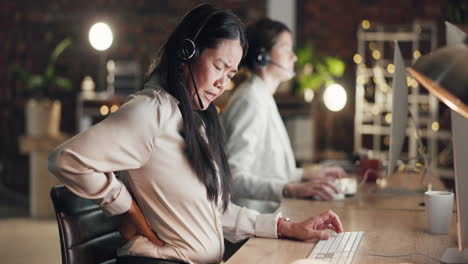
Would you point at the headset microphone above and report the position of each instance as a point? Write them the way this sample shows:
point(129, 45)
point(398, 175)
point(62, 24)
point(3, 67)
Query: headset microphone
point(263, 59)
point(195, 86)
point(292, 73)
point(189, 51)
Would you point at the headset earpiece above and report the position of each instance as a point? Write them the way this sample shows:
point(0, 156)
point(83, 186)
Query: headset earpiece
point(188, 50)
point(263, 58)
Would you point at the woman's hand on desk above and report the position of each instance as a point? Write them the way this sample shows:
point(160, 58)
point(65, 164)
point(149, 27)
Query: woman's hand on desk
point(133, 223)
point(330, 173)
point(313, 227)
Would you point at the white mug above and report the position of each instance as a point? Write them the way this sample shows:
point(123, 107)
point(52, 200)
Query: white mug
point(439, 206)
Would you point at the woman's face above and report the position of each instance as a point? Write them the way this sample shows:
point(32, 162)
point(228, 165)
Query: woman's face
point(282, 54)
point(213, 70)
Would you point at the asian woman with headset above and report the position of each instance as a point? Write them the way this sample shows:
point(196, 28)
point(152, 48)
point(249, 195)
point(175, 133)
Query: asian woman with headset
point(175, 206)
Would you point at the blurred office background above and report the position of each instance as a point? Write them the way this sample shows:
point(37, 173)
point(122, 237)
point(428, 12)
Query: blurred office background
point(91, 83)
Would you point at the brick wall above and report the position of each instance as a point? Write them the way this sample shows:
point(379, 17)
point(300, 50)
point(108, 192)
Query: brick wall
point(29, 30)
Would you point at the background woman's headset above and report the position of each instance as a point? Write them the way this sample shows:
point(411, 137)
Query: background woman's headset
point(263, 57)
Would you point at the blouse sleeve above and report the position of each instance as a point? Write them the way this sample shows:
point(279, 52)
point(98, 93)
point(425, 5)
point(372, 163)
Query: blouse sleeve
point(240, 222)
point(122, 141)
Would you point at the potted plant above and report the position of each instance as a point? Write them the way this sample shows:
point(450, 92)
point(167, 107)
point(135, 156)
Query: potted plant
point(313, 71)
point(43, 112)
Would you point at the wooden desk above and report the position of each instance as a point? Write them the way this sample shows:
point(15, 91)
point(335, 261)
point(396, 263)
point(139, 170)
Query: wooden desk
point(393, 224)
point(41, 181)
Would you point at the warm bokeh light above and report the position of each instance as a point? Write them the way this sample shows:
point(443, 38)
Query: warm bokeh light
point(357, 58)
point(114, 108)
point(111, 65)
point(104, 110)
point(87, 85)
point(365, 24)
point(376, 54)
point(408, 81)
point(435, 126)
point(416, 54)
point(335, 97)
point(100, 36)
point(309, 95)
point(420, 151)
point(391, 68)
point(388, 118)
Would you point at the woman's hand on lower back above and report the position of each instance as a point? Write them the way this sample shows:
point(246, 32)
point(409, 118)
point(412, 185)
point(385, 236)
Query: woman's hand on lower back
point(133, 223)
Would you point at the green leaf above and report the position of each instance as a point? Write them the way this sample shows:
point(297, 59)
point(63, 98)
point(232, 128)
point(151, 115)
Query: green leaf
point(64, 44)
point(304, 55)
point(63, 83)
point(316, 82)
point(49, 73)
point(329, 82)
point(324, 69)
point(335, 66)
point(313, 82)
point(36, 83)
point(22, 73)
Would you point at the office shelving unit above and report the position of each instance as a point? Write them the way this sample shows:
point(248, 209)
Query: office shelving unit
point(374, 72)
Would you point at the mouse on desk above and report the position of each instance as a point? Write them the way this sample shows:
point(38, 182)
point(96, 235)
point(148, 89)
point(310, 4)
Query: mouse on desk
point(335, 196)
point(347, 187)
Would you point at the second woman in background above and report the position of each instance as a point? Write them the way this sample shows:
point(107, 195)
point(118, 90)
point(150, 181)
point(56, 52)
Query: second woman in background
point(258, 148)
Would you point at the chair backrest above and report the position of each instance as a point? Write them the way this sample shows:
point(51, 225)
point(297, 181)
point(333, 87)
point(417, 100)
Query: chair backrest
point(87, 234)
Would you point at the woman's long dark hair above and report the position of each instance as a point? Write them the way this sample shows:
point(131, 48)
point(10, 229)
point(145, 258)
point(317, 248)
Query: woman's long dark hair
point(205, 157)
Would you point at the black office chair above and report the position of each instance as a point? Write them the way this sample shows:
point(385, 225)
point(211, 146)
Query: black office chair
point(87, 235)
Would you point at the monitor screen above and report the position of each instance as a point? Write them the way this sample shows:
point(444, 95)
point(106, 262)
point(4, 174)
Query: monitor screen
point(399, 109)
point(460, 151)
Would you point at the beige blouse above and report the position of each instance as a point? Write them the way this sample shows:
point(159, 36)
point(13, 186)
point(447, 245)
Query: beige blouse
point(143, 138)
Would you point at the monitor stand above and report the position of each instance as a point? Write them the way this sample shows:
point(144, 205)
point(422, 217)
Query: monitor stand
point(452, 255)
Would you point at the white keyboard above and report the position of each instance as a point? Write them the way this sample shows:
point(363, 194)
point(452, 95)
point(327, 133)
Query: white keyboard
point(339, 249)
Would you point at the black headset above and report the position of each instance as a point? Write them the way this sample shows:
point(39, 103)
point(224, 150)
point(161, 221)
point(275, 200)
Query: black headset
point(188, 50)
point(263, 57)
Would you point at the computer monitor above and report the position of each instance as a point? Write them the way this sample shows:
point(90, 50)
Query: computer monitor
point(399, 110)
point(445, 74)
